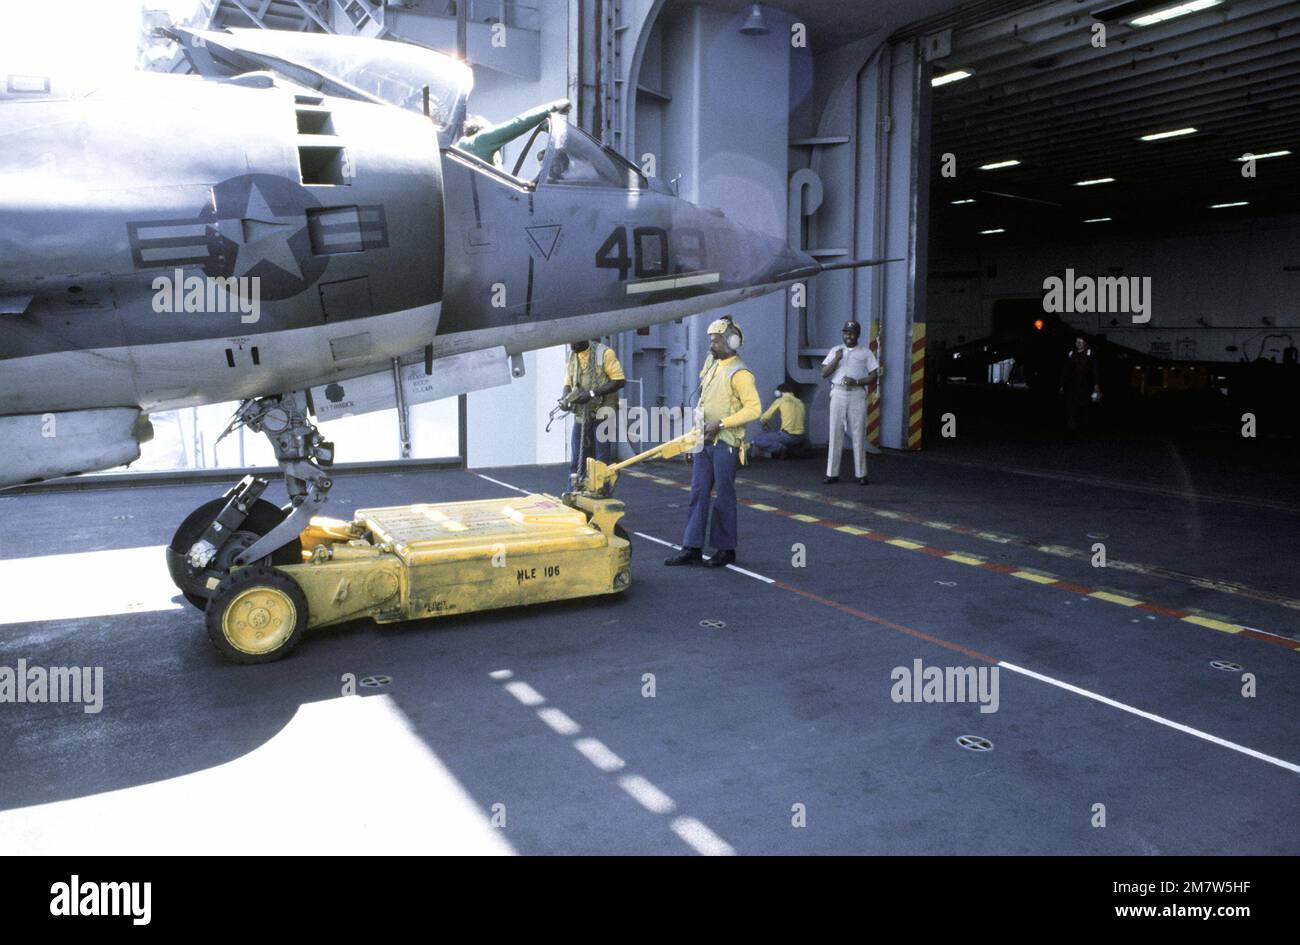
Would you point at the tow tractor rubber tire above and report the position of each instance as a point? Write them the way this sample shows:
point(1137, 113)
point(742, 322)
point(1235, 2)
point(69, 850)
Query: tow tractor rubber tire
point(621, 532)
point(261, 519)
point(257, 615)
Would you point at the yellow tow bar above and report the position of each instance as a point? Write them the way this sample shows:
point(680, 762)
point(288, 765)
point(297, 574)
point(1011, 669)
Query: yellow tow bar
point(601, 477)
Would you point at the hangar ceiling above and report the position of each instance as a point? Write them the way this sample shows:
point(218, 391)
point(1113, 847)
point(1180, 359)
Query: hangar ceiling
point(834, 23)
point(1042, 94)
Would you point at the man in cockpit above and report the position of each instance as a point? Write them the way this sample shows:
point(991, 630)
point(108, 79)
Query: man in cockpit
point(485, 141)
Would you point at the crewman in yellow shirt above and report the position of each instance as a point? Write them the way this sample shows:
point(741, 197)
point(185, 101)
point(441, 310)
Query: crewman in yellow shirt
point(728, 401)
point(790, 437)
point(592, 379)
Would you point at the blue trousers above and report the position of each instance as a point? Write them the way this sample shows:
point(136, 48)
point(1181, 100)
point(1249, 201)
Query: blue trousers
point(594, 447)
point(714, 469)
point(777, 442)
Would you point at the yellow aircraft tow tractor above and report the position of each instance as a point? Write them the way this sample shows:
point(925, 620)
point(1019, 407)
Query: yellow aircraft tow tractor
point(410, 562)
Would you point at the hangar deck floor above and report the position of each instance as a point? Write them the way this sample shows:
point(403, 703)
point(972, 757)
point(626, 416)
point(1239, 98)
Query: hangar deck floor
point(772, 683)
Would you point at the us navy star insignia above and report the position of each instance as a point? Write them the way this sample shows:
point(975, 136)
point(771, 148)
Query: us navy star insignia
point(263, 236)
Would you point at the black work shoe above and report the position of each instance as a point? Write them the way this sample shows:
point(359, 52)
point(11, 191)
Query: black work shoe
point(685, 556)
point(829, 479)
point(720, 559)
point(862, 480)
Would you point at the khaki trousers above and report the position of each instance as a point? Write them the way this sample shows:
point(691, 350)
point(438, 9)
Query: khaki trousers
point(848, 407)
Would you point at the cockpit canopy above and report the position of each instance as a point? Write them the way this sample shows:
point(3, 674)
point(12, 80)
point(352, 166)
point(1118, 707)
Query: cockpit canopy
point(559, 154)
point(349, 66)
point(574, 157)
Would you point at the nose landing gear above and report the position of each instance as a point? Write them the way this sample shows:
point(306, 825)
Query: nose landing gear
point(241, 528)
point(197, 582)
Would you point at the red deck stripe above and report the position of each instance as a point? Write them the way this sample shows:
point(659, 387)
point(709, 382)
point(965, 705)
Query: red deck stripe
point(993, 566)
point(872, 618)
point(1077, 588)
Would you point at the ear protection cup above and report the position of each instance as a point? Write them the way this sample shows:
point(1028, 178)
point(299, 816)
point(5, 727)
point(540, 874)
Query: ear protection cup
point(735, 338)
point(732, 335)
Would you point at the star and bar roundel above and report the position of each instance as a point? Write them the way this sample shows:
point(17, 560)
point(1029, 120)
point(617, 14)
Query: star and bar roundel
point(259, 225)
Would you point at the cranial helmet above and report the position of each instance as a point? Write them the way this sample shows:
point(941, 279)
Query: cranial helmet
point(729, 330)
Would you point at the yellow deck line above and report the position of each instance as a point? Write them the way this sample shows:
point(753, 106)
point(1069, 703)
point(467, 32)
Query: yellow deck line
point(1120, 599)
point(1212, 624)
point(1036, 578)
point(1115, 598)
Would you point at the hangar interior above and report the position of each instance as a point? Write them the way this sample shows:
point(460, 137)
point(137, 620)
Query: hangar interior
point(754, 710)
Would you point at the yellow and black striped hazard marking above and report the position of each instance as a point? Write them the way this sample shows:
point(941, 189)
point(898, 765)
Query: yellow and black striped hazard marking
point(916, 392)
point(873, 389)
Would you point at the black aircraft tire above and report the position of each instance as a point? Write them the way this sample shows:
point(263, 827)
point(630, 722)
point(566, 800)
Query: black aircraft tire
point(257, 615)
point(261, 519)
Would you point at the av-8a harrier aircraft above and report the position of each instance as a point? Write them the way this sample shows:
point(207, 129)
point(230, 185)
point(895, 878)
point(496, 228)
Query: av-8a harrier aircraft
point(295, 216)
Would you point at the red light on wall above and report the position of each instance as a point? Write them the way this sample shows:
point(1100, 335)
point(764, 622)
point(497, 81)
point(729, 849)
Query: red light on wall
point(1038, 324)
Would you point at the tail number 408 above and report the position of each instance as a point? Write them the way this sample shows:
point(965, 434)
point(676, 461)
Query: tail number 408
point(651, 252)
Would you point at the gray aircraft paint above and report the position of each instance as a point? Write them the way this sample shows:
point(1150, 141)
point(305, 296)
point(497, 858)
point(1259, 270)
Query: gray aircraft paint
point(104, 189)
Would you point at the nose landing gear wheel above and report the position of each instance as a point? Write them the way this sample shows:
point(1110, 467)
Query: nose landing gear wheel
point(261, 519)
point(256, 615)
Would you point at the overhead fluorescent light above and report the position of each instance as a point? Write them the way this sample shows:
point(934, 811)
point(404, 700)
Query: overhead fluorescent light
point(998, 164)
point(1128, 9)
point(1173, 12)
point(963, 200)
point(1268, 154)
point(1098, 220)
point(987, 232)
point(947, 77)
point(1161, 135)
point(1235, 203)
point(1095, 180)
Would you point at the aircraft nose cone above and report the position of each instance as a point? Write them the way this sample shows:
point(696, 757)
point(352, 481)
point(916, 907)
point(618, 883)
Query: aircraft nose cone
point(789, 264)
point(763, 261)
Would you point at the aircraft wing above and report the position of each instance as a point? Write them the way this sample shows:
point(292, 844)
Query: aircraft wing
point(356, 67)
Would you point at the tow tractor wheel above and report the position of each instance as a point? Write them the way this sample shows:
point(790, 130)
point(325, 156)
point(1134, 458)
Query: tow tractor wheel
point(261, 519)
point(621, 532)
point(256, 615)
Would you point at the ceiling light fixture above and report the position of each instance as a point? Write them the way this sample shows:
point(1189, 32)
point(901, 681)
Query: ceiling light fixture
point(1170, 13)
point(1161, 135)
point(1268, 154)
point(754, 24)
point(949, 77)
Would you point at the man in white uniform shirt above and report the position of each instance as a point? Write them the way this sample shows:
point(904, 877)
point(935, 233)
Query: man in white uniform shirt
point(850, 367)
